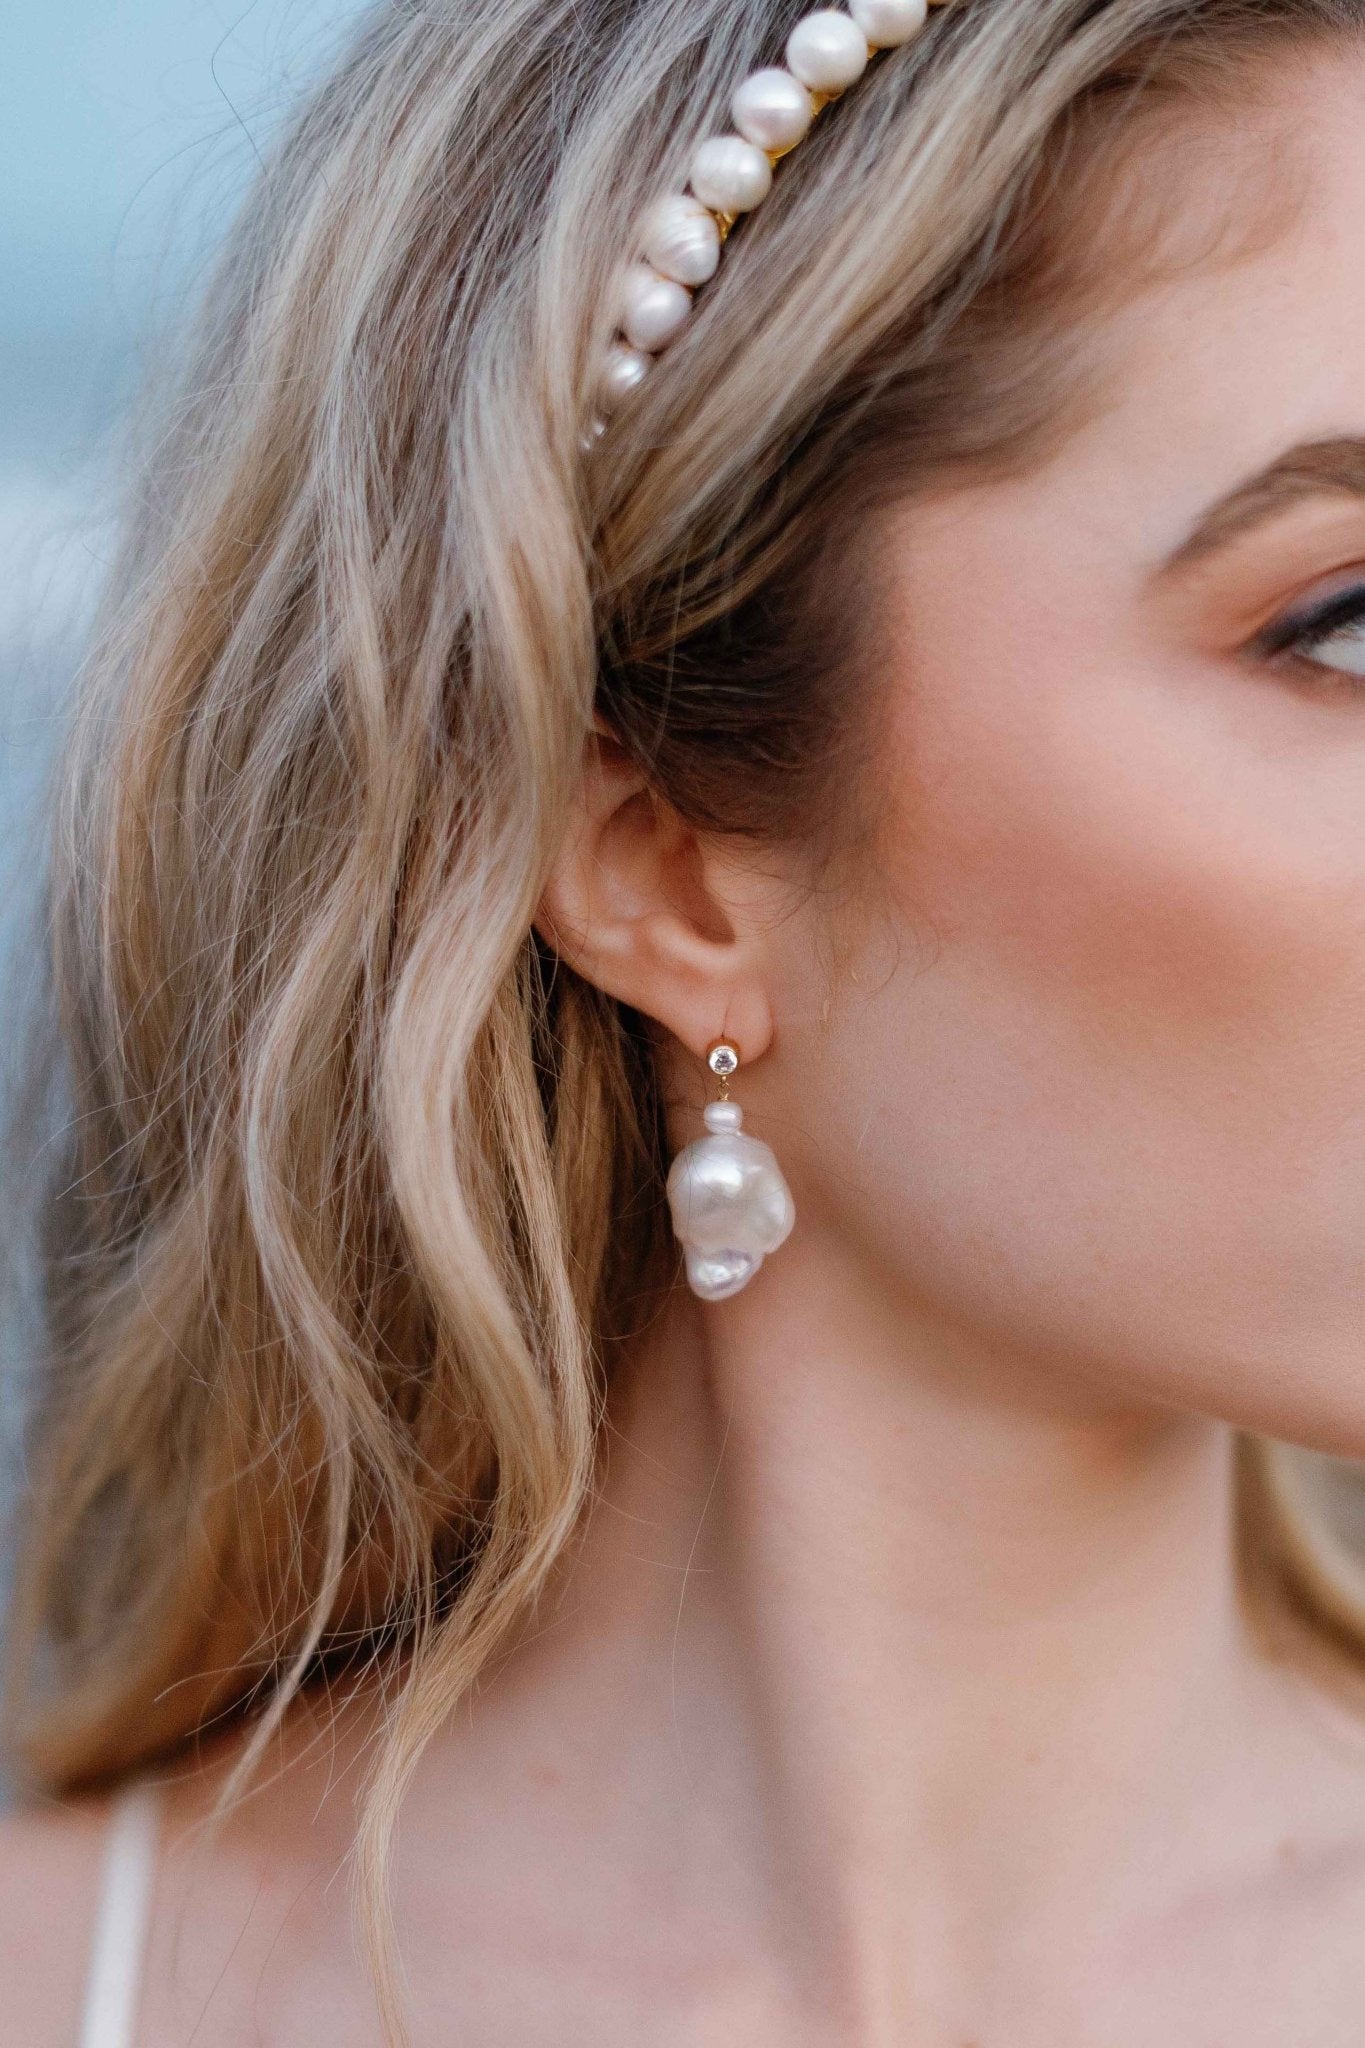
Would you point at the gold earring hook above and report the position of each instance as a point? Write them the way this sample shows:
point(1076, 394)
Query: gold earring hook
point(722, 1057)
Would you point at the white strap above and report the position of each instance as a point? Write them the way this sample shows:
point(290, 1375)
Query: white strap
point(121, 1923)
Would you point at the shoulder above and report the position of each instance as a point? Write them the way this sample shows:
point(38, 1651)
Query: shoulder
point(243, 1911)
point(51, 1858)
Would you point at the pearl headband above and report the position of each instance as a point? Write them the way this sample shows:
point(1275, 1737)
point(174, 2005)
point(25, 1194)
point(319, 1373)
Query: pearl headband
point(681, 236)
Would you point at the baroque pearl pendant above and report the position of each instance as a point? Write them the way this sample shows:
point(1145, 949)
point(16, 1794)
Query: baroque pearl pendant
point(730, 1203)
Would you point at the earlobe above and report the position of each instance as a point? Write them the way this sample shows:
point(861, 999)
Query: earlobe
point(637, 903)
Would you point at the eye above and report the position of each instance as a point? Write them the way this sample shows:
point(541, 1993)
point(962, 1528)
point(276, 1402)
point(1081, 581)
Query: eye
point(1330, 638)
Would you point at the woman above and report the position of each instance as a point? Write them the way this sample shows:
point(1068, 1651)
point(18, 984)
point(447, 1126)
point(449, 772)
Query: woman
point(934, 671)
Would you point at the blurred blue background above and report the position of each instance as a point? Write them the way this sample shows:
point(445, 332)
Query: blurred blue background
point(127, 130)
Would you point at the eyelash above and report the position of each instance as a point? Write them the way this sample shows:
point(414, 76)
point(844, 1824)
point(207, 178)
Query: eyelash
point(1297, 634)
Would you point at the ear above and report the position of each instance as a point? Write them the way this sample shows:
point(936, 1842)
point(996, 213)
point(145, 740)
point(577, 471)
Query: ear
point(665, 919)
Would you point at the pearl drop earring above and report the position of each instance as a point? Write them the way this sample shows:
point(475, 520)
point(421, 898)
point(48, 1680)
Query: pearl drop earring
point(729, 1201)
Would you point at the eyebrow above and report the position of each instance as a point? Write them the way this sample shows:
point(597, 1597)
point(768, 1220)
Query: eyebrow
point(1311, 469)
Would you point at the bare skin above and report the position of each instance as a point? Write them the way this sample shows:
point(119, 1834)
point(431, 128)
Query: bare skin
point(899, 1690)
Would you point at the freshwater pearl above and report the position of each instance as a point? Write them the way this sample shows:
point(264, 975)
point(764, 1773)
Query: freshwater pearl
point(730, 1204)
point(827, 50)
point(722, 1116)
point(731, 175)
point(772, 109)
point(622, 371)
point(682, 240)
point(654, 308)
point(888, 23)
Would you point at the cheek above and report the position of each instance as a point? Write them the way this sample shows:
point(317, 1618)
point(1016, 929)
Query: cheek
point(1105, 868)
point(1107, 1051)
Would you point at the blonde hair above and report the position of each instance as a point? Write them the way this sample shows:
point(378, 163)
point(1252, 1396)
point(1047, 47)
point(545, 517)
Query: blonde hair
point(364, 1187)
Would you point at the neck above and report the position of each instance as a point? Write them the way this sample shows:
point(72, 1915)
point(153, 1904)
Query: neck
point(950, 1622)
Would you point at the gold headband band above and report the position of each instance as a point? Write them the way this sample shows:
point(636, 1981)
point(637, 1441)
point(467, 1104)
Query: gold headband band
point(772, 109)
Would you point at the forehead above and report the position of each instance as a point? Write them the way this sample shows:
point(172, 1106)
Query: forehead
point(1243, 334)
point(1256, 336)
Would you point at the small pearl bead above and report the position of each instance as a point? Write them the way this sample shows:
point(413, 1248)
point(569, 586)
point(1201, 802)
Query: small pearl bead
point(827, 50)
point(681, 239)
point(622, 370)
point(654, 307)
point(887, 23)
point(722, 1116)
point(772, 109)
point(731, 175)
